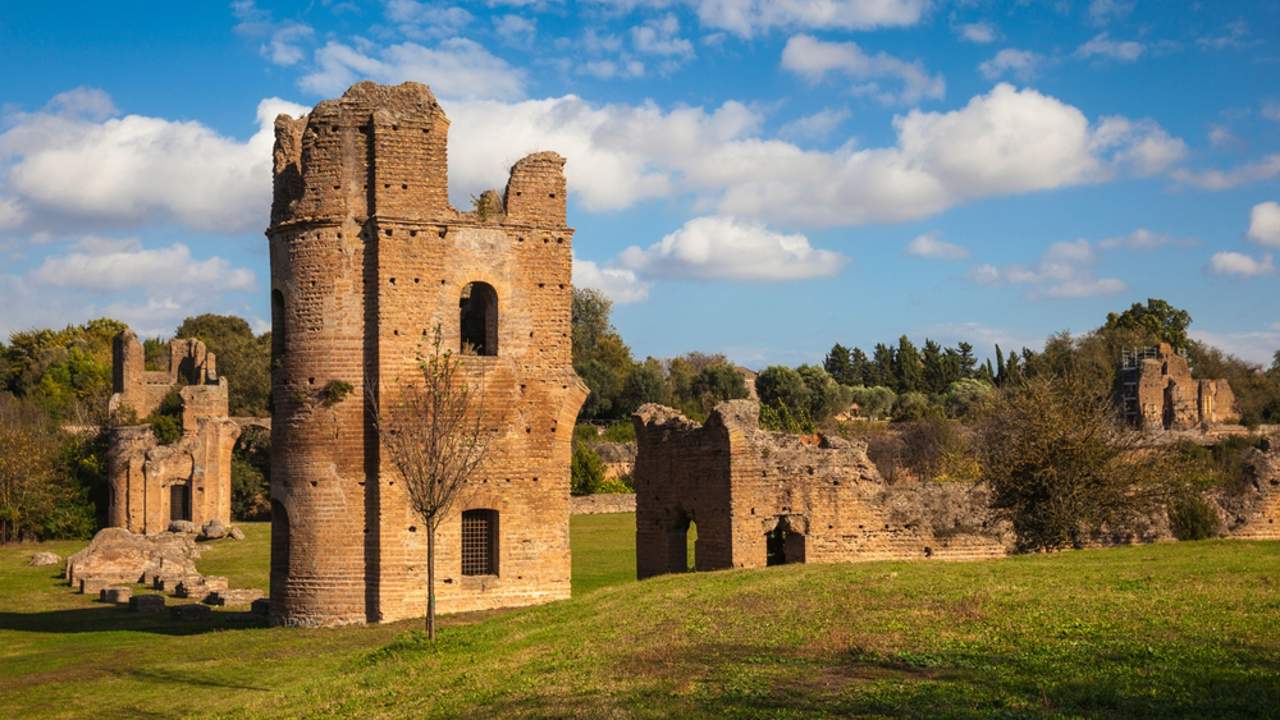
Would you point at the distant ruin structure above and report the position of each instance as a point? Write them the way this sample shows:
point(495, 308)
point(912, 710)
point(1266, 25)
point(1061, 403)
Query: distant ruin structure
point(150, 484)
point(368, 257)
point(1156, 392)
point(763, 498)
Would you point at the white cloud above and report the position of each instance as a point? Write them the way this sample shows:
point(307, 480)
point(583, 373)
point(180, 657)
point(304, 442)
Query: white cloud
point(12, 213)
point(618, 284)
point(1005, 142)
point(1271, 110)
point(933, 247)
point(1103, 46)
point(983, 337)
point(978, 32)
point(1255, 346)
point(457, 68)
point(1234, 263)
point(1264, 169)
point(661, 36)
point(725, 248)
point(282, 40)
point(83, 102)
point(1065, 270)
point(1220, 136)
point(100, 265)
point(152, 289)
point(1102, 12)
point(1142, 239)
point(1234, 35)
point(137, 169)
point(1021, 64)
point(1142, 146)
point(817, 126)
point(515, 29)
point(751, 17)
point(427, 20)
point(608, 69)
point(1264, 223)
point(814, 59)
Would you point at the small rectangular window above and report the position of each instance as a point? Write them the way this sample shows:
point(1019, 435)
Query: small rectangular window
point(480, 542)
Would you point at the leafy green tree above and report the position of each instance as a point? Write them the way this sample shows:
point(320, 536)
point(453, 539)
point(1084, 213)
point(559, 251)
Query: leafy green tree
point(965, 361)
point(586, 471)
point(66, 373)
point(243, 358)
point(967, 397)
point(883, 368)
point(873, 402)
point(1158, 320)
point(839, 364)
point(909, 406)
point(826, 396)
point(644, 383)
point(908, 367)
point(936, 367)
point(784, 391)
point(862, 370)
point(600, 357)
point(39, 496)
point(716, 383)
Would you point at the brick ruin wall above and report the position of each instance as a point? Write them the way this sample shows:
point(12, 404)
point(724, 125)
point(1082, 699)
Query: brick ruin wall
point(737, 483)
point(367, 258)
point(142, 474)
point(1159, 393)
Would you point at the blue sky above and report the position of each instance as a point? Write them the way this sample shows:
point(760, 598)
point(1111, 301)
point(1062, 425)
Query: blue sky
point(756, 178)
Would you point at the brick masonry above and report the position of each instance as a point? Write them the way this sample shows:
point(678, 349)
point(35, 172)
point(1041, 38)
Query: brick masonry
point(367, 258)
point(142, 474)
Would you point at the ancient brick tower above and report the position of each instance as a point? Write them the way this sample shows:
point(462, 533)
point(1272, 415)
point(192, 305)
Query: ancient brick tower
point(367, 257)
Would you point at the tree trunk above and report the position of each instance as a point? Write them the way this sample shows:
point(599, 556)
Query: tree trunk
point(431, 582)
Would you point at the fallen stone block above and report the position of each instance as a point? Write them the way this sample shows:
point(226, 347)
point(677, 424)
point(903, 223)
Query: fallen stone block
point(115, 595)
point(41, 559)
point(146, 603)
point(235, 533)
point(94, 585)
point(200, 586)
point(261, 606)
point(192, 611)
point(122, 557)
point(214, 530)
point(235, 597)
point(182, 526)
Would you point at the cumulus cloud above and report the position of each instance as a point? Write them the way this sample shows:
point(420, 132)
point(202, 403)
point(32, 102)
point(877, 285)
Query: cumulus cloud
point(1264, 223)
point(1102, 12)
point(149, 288)
point(1234, 263)
point(753, 17)
point(725, 248)
point(1255, 346)
point(1102, 46)
point(618, 284)
point(83, 102)
point(1065, 270)
point(427, 20)
point(137, 169)
point(978, 32)
point(455, 68)
point(814, 59)
point(1264, 169)
point(932, 247)
point(1007, 141)
point(1142, 239)
point(1143, 146)
point(12, 213)
point(817, 126)
point(515, 29)
point(1021, 64)
point(98, 264)
point(282, 41)
point(661, 36)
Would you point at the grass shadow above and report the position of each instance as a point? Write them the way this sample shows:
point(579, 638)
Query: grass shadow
point(107, 618)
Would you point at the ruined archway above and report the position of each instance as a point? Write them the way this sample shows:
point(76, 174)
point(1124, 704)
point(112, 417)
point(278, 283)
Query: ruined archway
point(478, 319)
point(784, 544)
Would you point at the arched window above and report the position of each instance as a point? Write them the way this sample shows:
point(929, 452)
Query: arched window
point(478, 310)
point(480, 542)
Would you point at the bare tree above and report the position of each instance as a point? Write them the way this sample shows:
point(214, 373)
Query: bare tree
point(432, 433)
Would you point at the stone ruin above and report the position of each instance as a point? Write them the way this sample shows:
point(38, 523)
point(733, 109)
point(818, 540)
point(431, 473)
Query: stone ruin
point(368, 257)
point(152, 485)
point(1156, 392)
point(761, 498)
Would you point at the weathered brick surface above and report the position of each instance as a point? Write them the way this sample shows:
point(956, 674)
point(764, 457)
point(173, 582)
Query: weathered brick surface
point(602, 504)
point(367, 257)
point(1156, 392)
point(738, 483)
point(140, 471)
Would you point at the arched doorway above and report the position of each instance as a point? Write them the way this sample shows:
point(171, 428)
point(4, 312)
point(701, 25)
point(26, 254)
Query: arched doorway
point(783, 545)
point(478, 319)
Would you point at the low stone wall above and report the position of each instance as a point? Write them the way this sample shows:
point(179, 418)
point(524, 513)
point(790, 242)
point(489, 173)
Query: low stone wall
point(601, 504)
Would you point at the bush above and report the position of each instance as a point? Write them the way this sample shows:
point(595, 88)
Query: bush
point(1191, 517)
point(874, 402)
point(967, 397)
point(166, 421)
point(911, 406)
point(781, 387)
point(620, 432)
point(586, 471)
point(1061, 467)
point(784, 419)
point(40, 496)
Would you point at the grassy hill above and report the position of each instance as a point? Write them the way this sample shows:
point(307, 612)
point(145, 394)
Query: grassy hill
point(1176, 630)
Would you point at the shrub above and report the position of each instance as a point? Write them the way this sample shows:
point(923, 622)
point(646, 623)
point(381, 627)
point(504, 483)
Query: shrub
point(784, 419)
point(334, 392)
point(873, 402)
point(1061, 467)
point(166, 421)
point(620, 432)
point(586, 472)
point(781, 387)
point(1191, 517)
point(911, 406)
point(967, 397)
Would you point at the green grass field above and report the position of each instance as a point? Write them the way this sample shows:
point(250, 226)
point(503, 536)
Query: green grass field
point(1174, 630)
